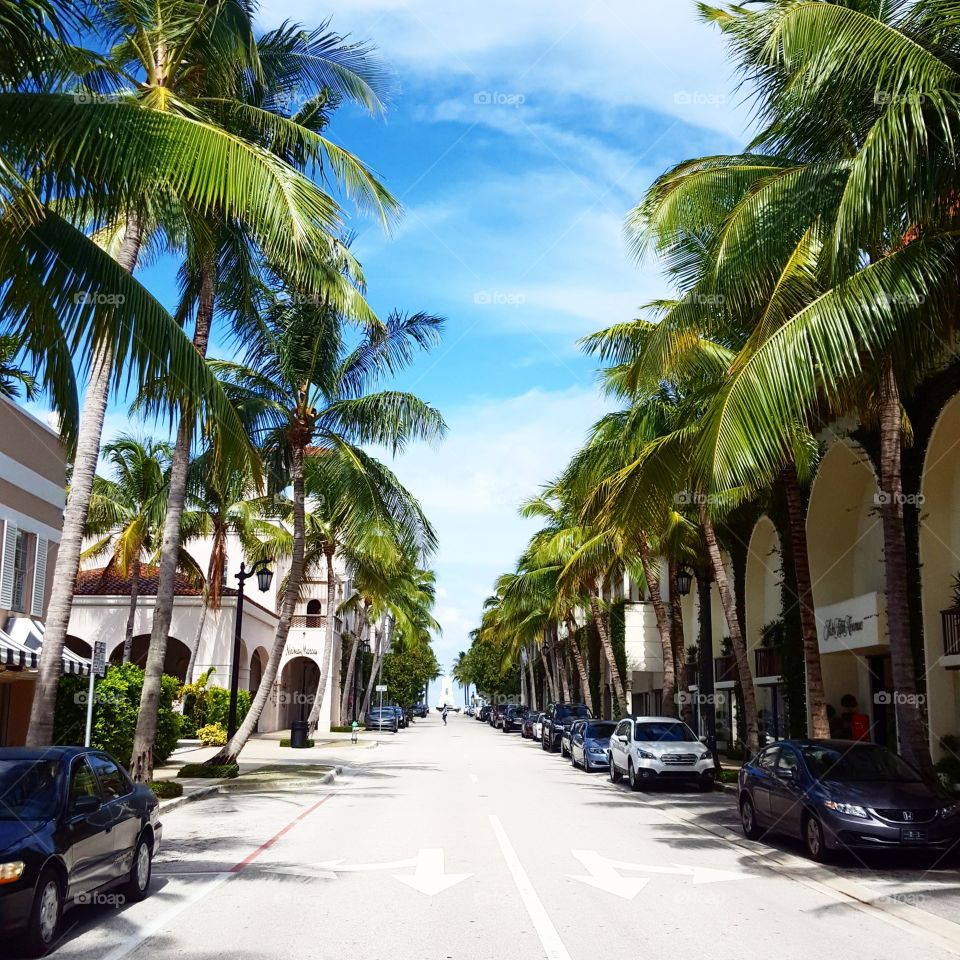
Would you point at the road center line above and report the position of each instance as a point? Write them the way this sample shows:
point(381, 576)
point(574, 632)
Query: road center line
point(164, 920)
point(542, 923)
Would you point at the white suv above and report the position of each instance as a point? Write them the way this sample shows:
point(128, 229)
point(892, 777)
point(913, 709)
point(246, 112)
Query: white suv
point(659, 749)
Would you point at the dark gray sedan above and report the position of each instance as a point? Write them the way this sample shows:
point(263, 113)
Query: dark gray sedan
point(382, 718)
point(589, 742)
point(842, 794)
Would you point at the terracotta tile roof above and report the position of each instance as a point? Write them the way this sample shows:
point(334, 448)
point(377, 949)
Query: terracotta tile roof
point(109, 582)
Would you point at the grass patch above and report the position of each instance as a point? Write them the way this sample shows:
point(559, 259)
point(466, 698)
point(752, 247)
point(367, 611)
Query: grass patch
point(166, 789)
point(222, 771)
point(729, 776)
point(285, 742)
point(341, 729)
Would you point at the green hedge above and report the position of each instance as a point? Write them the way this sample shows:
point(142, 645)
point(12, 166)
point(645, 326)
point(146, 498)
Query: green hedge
point(204, 705)
point(167, 789)
point(115, 710)
point(223, 771)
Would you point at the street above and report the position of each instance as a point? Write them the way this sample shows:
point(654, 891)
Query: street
point(462, 842)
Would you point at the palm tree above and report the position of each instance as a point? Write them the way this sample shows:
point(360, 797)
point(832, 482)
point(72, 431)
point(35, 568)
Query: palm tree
point(13, 377)
point(126, 512)
point(303, 395)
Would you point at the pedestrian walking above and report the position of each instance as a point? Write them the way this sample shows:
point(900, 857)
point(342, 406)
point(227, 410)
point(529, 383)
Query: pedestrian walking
point(443, 713)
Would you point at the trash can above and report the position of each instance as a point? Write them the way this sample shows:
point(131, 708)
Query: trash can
point(298, 734)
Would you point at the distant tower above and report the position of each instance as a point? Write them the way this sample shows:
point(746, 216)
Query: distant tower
point(446, 692)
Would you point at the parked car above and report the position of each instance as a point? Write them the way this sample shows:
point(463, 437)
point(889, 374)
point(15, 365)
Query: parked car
point(72, 825)
point(382, 718)
point(590, 742)
point(567, 735)
point(497, 715)
point(558, 715)
point(538, 726)
point(419, 710)
point(484, 713)
point(659, 749)
point(526, 725)
point(512, 718)
point(402, 720)
point(842, 794)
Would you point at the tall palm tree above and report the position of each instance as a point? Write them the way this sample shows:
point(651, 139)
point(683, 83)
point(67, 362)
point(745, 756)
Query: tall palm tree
point(304, 396)
point(126, 512)
point(13, 376)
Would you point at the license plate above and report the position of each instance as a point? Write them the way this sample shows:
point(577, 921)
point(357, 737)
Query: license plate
point(913, 836)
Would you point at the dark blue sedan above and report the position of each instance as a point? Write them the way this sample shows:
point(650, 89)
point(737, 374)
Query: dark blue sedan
point(72, 825)
point(842, 794)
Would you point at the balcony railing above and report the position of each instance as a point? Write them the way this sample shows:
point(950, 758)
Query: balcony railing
point(314, 621)
point(768, 662)
point(724, 669)
point(951, 632)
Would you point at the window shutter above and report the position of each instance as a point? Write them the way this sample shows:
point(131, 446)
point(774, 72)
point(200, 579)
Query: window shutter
point(39, 578)
point(6, 563)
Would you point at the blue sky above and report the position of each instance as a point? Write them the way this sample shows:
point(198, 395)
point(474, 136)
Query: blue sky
point(517, 138)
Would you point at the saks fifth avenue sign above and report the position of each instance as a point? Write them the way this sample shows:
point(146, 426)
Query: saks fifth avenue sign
point(854, 624)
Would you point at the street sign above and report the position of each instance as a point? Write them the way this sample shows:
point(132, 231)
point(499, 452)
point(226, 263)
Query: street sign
point(381, 688)
point(99, 666)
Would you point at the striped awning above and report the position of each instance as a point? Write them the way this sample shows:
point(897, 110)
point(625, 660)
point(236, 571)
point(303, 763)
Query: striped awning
point(21, 643)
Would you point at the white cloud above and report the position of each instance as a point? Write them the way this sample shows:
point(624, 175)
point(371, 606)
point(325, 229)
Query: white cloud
point(498, 453)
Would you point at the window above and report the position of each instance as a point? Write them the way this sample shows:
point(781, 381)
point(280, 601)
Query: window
point(314, 616)
point(28, 789)
point(665, 731)
point(788, 763)
point(20, 572)
point(768, 759)
point(112, 780)
point(82, 781)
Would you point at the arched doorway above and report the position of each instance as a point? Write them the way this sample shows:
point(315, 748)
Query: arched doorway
point(258, 663)
point(298, 688)
point(175, 663)
point(939, 564)
point(845, 540)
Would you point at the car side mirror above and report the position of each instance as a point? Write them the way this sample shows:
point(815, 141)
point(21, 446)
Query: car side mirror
point(787, 774)
point(704, 739)
point(622, 738)
point(85, 804)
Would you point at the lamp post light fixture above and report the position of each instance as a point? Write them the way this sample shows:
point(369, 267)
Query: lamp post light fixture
point(362, 648)
point(264, 577)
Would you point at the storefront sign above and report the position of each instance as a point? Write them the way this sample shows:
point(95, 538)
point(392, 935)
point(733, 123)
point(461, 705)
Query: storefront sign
point(855, 624)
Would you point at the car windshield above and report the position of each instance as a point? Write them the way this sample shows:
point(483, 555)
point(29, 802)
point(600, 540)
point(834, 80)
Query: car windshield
point(599, 731)
point(28, 789)
point(579, 710)
point(855, 764)
point(664, 732)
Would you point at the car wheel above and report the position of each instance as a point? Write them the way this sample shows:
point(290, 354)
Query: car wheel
point(632, 777)
point(748, 819)
point(563, 750)
point(615, 774)
point(543, 744)
point(141, 871)
point(44, 922)
point(813, 839)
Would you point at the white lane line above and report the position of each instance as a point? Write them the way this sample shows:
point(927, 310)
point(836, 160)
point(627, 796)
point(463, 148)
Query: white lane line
point(144, 933)
point(542, 923)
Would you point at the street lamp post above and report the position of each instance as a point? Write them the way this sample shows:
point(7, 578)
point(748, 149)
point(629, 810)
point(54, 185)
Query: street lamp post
point(705, 688)
point(264, 577)
point(362, 648)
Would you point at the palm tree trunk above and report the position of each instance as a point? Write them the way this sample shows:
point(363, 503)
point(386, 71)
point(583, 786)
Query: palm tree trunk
point(232, 750)
point(192, 665)
point(328, 646)
point(751, 723)
point(346, 703)
point(141, 760)
point(548, 673)
point(677, 642)
point(564, 674)
point(913, 738)
point(534, 699)
point(616, 684)
point(134, 593)
point(816, 698)
point(374, 667)
point(523, 683)
point(582, 672)
point(669, 692)
point(40, 731)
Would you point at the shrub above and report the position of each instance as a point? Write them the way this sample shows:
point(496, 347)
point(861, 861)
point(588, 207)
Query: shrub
point(286, 742)
point(204, 704)
point(341, 729)
point(212, 735)
point(167, 789)
point(220, 771)
point(115, 709)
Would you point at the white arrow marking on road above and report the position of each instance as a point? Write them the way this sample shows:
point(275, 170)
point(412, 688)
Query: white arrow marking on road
point(429, 877)
point(603, 874)
point(338, 866)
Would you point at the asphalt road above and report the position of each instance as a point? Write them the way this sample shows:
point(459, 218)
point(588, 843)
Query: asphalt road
point(462, 842)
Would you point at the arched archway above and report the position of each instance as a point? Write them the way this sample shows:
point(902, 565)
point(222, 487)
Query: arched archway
point(298, 687)
point(82, 648)
point(175, 663)
point(314, 613)
point(845, 542)
point(940, 563)
point(258, 663)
